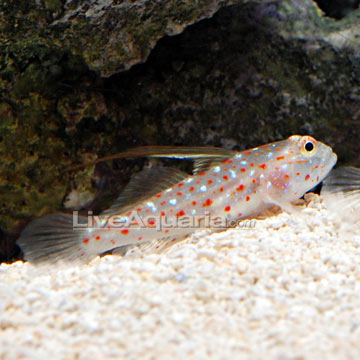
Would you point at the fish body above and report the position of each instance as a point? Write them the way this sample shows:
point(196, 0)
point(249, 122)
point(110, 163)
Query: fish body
point(224, 188)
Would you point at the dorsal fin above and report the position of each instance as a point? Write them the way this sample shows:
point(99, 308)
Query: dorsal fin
point(144, 185)
point(180, 152)
point(195, 153)
point(204, 164)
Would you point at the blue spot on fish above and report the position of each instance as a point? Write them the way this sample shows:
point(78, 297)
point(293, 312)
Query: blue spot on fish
point(151, 206)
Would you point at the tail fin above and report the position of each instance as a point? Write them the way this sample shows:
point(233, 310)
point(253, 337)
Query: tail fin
point(52, 238)
point(341, 192)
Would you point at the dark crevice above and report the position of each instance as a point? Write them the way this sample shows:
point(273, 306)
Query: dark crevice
point(338, 9)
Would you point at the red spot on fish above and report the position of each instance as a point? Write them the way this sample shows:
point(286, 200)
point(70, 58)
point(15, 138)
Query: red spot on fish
point(109, 228)
point(86, 241)
point(125, 231)
point(208, 202)
point(210, 181)
point(287, 176)
point(162, 213)
point(198, 181)
point(163, 203)
point(139, 238)
point(221, 189)
point(112, 242)
point(138, 209)
point(227, 161)
point(239, 214)
point(151, 222)
point(227, 208)
point(180, 213)
point(97, 238)
point(240, 187)
point(297, 174)
point(280, 158)
point(158, 195)
point(166, 231)
point(194, 203)
point(300, 161)
point(179, 193)
point(225, 177)
point(181, 184)
point(234, 166)
point(253, 181)
point(248, 152)
point(307, 177)
point(242, 169)
point(191, 189)
point(202, 173)
point(263, 166)
point(247, 198)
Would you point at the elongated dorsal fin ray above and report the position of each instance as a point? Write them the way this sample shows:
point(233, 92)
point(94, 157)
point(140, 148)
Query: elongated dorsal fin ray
point(174, 152)
point(181, 152)
point(144, 185)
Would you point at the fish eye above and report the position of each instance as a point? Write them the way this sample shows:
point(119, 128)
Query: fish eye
point(308, 145)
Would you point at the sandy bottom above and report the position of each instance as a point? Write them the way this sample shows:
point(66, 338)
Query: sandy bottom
point(288, 289)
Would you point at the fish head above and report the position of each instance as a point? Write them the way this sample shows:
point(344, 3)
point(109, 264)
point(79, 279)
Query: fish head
point(303, 163)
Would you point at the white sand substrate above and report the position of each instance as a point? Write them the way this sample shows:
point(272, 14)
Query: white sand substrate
point(288, 289)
